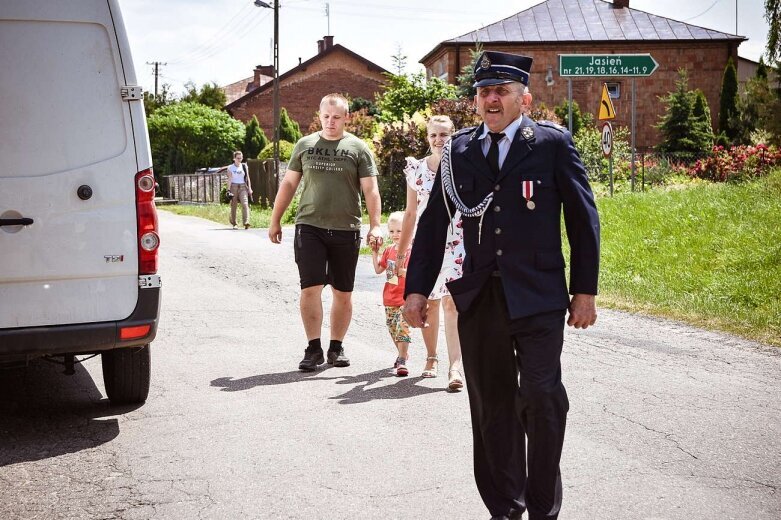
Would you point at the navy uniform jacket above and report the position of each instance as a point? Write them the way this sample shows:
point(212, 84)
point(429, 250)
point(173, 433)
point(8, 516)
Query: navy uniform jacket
point(523, 244)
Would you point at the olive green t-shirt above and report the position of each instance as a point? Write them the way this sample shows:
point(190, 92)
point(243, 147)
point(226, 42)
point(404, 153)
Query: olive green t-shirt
point(331, 173)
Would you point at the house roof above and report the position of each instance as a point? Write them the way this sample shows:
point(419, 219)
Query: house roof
point(302, 67)
point(586, 21)
point(237, 89)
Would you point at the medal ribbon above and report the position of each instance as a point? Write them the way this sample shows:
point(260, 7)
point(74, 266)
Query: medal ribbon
point(528, 190)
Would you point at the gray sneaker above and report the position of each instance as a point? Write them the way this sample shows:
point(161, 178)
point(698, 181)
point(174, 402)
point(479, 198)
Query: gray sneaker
point(337, 358)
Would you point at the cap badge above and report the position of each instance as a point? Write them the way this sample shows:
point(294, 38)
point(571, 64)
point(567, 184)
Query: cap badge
point(485, 63)
point(527, 132)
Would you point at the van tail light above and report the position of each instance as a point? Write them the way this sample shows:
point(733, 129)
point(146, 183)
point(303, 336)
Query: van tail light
point(141, 331)
point(148, 239)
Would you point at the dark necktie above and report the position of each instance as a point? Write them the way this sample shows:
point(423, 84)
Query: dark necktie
point(493, 152)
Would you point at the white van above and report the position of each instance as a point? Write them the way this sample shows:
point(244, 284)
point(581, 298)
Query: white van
point(78, 225)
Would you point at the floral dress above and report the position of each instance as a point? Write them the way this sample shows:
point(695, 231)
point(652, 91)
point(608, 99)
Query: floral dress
point(421, 179)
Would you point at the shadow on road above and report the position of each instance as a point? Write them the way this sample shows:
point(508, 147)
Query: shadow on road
point(359, 393)
point(45, 414)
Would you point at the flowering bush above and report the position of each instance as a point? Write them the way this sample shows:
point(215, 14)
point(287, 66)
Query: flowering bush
point(736, 163)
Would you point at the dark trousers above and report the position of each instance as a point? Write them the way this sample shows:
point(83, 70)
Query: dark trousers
point(513, 375)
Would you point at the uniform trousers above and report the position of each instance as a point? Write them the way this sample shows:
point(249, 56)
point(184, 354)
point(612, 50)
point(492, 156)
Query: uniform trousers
point(513, 376)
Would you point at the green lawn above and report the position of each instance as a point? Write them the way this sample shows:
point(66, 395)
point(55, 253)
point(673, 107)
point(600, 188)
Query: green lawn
point(708, 254)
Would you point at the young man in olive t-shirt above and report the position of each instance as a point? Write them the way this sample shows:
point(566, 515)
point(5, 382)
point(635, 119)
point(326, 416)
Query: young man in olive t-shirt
point(335, 168)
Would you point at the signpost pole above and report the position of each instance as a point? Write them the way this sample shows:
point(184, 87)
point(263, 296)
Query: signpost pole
point(632, 176)
point(610, 172)
point(569, 97)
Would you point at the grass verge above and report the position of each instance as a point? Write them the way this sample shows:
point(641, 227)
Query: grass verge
point(709, 255)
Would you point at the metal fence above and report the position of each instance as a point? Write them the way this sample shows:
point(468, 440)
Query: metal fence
point(203, 188)
point(206, 188)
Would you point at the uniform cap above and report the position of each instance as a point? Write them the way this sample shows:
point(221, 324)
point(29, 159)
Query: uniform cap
point(494, 68)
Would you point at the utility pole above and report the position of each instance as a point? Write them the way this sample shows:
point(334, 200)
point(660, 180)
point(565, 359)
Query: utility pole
point(157, 72)
point(261, 3)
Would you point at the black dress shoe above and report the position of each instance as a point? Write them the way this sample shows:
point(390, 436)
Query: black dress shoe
point(515, 515)
point(500, 517)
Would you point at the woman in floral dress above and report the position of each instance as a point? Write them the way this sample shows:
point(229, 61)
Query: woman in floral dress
point(420, 175)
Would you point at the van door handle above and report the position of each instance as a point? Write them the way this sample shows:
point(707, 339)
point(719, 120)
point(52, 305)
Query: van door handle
point(15, 221)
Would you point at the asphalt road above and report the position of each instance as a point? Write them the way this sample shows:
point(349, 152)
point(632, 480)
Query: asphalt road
point(666, 421)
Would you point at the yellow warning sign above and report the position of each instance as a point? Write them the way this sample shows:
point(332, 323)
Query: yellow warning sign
point(606, 110)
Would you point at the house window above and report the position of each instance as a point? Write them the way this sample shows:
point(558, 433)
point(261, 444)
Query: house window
point(614, 90)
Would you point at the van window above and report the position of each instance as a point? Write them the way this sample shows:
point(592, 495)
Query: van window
point(71, 122)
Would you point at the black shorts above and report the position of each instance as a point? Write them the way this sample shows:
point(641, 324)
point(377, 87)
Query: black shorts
point(326, 256)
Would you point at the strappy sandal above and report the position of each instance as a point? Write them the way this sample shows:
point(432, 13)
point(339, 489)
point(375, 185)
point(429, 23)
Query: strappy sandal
point(401, 367)
point(431, 372)
point(455, 380)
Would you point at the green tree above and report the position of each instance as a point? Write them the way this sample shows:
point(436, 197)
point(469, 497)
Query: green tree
point(254, 138)
point(186, 136)
point(562, 112)
point(288, 129)
point(405, 95)
point(467, 77)
point(152, 102)
point(359, 103)
point(728, 106)
point(210, 95)
point(773, 17)
point(399, 60)
point(761, 69)
point(702, 125)
point(679, 135)
point(285, 150)
point(755, 108)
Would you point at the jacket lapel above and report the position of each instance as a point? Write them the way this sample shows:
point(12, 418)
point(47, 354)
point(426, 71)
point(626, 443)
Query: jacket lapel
point(520, 147)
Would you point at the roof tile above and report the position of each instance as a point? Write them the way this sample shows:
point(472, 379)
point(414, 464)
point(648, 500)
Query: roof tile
point(587, 20)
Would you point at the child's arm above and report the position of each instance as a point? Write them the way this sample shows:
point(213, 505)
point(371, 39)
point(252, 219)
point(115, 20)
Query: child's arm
point(378, 268)
point(401, 268)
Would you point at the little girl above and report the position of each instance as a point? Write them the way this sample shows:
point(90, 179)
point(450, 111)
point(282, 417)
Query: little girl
point(393, 292)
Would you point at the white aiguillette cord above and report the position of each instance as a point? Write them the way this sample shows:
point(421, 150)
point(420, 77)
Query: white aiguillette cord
point(446, 174)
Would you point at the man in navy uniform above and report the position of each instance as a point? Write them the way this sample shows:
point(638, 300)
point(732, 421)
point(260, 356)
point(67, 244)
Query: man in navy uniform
point(511, 178)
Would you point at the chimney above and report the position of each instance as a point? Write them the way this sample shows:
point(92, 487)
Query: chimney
point(620, 4)
point(329, 42)
point(320, 46)
point(262, 70)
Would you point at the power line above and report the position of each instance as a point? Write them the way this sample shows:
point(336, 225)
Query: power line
point(702, 13)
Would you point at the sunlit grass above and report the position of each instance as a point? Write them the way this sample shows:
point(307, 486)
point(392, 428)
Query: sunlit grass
point(709, 255)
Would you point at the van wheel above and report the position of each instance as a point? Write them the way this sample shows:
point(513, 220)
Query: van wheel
point(126, 374)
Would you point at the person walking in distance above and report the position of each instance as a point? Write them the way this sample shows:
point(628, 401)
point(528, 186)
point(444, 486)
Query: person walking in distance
point(335, 167)
point(240, 189)
point(420, 175)
point(511, 178)
point(393, 292)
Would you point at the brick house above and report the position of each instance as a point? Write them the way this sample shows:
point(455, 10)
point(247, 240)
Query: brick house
point(333, 69)
point(556, 27)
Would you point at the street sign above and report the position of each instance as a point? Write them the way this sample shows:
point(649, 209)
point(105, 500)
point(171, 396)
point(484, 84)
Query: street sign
point(637, 65)
point(606, 109)
point(607, 139)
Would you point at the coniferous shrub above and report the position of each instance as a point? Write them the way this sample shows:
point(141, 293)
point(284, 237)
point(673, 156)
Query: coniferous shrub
point(288, 129)
point(254, 138)
point(728, 105)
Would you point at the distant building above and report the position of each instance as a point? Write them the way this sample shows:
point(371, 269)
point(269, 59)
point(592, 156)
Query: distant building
point(262, 75)
point(556, 27)
point(333, 69)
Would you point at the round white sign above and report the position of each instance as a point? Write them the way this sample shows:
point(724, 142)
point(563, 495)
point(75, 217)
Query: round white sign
point(607, 139)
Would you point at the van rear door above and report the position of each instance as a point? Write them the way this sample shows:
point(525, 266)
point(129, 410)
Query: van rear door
point(68, 159)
